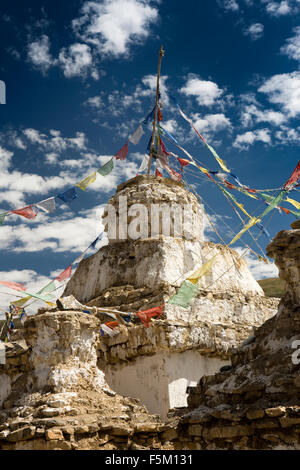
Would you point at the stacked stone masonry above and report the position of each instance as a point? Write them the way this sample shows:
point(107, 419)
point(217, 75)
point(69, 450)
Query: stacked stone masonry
point(56, 388)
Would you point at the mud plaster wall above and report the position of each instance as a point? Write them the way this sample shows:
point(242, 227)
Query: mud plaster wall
point(160, 381)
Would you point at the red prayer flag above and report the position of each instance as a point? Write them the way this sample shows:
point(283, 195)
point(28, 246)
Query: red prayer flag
point(294, 177)
point(183, 162)
point(26, 212)
point(159, 115)
point(162, 146)
point(14, 285)
point(112, 324)
point(158, 173)
point(284, 210)
point(122, 154)
point(146, 315)
point(198, 134)
point(64, 275)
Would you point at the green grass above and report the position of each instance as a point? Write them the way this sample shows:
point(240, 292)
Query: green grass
point(273, 287)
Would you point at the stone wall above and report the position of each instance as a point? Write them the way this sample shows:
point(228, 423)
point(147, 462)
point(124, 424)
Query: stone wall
point(255, 404)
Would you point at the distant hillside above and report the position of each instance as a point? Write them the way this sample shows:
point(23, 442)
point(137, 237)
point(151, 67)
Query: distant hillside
point(273, 287)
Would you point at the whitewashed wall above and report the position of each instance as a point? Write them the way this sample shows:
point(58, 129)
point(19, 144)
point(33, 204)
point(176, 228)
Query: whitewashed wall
point(160, 381)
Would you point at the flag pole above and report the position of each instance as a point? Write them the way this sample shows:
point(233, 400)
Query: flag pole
point(152, 149)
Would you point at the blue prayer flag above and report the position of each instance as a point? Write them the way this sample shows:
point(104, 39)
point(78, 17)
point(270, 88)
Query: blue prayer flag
point(68, 195)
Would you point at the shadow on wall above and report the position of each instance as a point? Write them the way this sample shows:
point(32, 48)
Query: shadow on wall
point(160, 381)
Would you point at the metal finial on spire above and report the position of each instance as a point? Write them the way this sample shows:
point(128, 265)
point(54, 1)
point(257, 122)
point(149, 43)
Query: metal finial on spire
point(161, 54)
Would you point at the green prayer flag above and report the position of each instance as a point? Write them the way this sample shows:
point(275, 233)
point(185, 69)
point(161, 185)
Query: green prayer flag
point(2, 217)
point(48, 288)
point(107, 168)
point(184, 295)
point(273, 203)
point(219, 160)
point(44, 298)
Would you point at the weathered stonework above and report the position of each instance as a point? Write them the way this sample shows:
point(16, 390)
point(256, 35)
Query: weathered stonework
point(58, 388)
point(255, 404)
point(133, 275)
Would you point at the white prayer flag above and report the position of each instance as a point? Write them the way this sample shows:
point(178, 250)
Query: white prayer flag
point(48, 205)
point(135, 137)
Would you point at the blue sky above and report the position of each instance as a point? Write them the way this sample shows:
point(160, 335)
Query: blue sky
point(80, 76)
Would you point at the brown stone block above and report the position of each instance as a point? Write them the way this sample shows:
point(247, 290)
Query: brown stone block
point(255, 414)
point(21, 434)
point(288, 422)
point(275, 412)
point(54, 434)
point(195, 430)
point(227, 432)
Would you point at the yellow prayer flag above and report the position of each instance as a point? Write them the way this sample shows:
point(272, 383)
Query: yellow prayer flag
point(21, 302)
point(87, 181)
point(219, 160)
point(242, 209)
point(250, 224)
point(202, 271)
point(204, 170)
point(295, 203)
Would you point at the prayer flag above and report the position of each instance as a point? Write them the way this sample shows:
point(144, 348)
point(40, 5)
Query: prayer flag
point(184, 295)
point(64, 275)
point(164, 131)
point(149, 117)
point(2, 217)
point(162, 146)
point(183, 162)
point(48, 288)
point(158, 173)
point(219, 160)
point(93, 245)
point(274, 202)
point(201, 271)
point(122, 153)
point(144, 164)
point(136, 136)
point(146, 315)
point(48, 205)
point(159, 115)
point(294, 177)
point(107, 168)
point(293, 202)
point(250, 224)
point(14, 285)
point(68, 195)
point(26, 212)
point(20, 302)
point(87, 181)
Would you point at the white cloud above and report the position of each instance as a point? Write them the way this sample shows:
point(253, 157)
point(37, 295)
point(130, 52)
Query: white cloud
point(211, 123)
point(77, 61)
point(292, 46)
point(252, 114)
point(33, 282)
point(284, 90)
point(95, 102)
point(207, 93)
point(55, 142)
point(254, 31)
point(56, 234)
point(112, 26)
point(281, 8)
point(243, 141)
point(259, 269)
point(5, 159)
point(38, 53)
point(286, 135)
point(230, 5)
